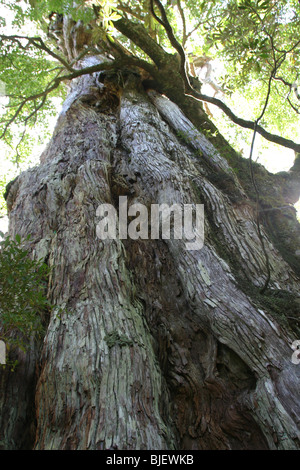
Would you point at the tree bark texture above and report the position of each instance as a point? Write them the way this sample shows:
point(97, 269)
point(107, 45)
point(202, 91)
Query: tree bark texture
point(149, 346)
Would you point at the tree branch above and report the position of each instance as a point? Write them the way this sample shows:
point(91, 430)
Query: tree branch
point(190, 91)
point(246, 124)
point(39, 44)
point(139, 35)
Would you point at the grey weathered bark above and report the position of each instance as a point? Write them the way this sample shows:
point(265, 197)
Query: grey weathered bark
point(150, 346)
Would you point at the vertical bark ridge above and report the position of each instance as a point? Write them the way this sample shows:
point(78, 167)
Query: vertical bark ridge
point(97, 352)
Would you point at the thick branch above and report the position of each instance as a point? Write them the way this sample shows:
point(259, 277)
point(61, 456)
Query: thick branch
point(165, 23)
point(139, 35)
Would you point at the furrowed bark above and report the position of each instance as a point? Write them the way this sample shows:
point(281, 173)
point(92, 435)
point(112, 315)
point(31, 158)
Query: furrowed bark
point(150, 346)
point(209, 285)
point(99, 378)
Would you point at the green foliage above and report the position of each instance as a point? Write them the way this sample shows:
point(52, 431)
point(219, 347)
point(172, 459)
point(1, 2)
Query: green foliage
point(26, 71)
point(39, 10)
point(25, 74)
point(23, 301)
point(255, 39)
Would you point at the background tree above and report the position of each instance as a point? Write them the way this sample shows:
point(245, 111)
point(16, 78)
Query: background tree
point(122, 365)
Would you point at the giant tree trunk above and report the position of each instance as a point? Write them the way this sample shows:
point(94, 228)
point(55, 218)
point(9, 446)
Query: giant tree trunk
point(149, 346)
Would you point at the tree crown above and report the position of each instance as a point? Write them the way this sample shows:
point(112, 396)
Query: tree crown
point(254, 42)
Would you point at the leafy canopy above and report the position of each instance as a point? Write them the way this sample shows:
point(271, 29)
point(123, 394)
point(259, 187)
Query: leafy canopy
point(23, 299)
